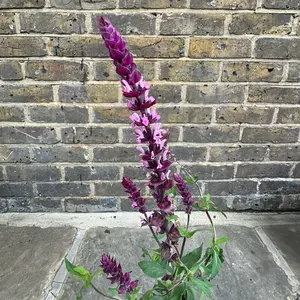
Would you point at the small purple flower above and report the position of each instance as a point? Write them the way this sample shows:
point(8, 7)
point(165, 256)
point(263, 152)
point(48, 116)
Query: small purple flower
point(174, 234)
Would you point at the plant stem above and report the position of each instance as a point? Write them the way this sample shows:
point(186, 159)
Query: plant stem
point(213, 226)
point(184, 240)
point(151, 229)
point(104, 295)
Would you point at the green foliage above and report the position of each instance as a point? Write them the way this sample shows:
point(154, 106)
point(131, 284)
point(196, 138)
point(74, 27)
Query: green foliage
point(192, 258)
point(79, 295)
point(173, 191)
point(192, 180)
point(152, 268)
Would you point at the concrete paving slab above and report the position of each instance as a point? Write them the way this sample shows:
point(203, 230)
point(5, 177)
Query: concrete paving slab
point(249, 273)
point(29, 259)
point(286, 238)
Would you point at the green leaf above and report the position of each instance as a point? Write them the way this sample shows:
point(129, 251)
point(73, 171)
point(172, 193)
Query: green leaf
point(202, 285)
point(133, 295)
point(156, 297)
point(81, 271)
point(114, 291)
point(79, 295)
point(193, 180)
point(147, 296)
point(191, 293)
point(152, 269)
point(99, 272)
point(161, 236)
point(187, 234)
point(145, 252)
point(178, 292)
point(192, 258)
point(216, 264)
point(214, 208)
point(166, 266)
point(222, 240)
point(197, 206)
point(172, 190)
point(173, 217)
point(70, 267)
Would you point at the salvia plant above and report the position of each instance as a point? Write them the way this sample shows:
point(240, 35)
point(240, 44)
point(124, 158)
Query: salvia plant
point(179, 275)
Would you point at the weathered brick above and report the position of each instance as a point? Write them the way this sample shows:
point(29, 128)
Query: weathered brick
point(27, 135)
point(56, 70)
point(52, 23)
point(162, 47)
point(211, 134)
point(10, 70)
point(224, 4)
point(288, 115)
point(208, 172)
point(63, 189)
point(237, 153)
point(78, 46)
point(32, 173)
point(116, 154)
point(236, 187)
point(215, 94)
point(219, 48)
point(125, 4)
point(1, 173)
point(22, 3)
point(25, 93)
point(252, 71)
point(89, 93)
point(192, 24)
point(66, 4)
point(3, 205)
point(279, 48)
point(280, 187)
point(296, 172)
point(267, 94)
point(284, 153)
point(106, 70)
point(178, 114)
point(194, 71)
point(240, 114)
point(270, 135)
point(10, 154)
point(12, 189)
point(135, 172)
point(91, 205)
point(87, 173)
point(60, 154)
point(11, 114)
point(290, 203)
point(22, 46)
point(263, 170)
point(109, 189)
point(98, 4)
point(294, 72)
point(278, 4)
point(138, 23)
point(130, 138)
point(279, 24)
point(90, 135)
point(165, 93)
point(62, 114)
point(112, 115)
point(188, 153)
point(126, 205)
point(7, 23)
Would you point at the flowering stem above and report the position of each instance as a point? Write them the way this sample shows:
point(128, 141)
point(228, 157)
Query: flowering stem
point(104, 295)
point(184, 240)
point(150, 227)
point(213, 226)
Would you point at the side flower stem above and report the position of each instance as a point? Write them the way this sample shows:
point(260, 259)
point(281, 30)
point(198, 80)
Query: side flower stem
point(213, 226)
point(151, 229)
point(103, 294)
point(184, 240)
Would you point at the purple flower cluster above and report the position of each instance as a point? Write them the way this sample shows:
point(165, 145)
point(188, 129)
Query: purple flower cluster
point(114, 270)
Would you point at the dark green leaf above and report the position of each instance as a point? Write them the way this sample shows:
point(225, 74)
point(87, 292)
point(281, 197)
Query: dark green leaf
point(216, 264)
point(192, 258)
point(222, 240)
point(178, 292)
point(70, 267)
point(197, 206)
point(152, 269)
point(166, 266)
point(191, 293)
point(202, 285)
point(156, 297)
point(79, 295)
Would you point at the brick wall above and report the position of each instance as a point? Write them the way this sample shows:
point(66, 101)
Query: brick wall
point(226, 75)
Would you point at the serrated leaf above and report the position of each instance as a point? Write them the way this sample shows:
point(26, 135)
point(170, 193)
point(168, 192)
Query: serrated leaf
point(222, 240)
point(79, 294)
point(152, 269)
point(193, 257)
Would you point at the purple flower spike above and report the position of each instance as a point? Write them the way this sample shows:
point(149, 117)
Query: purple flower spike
point(184, 192)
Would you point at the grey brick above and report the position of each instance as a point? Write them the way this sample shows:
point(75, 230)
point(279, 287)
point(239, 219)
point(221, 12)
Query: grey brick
point(3, 205)
point(208, 172)
point(88, 173)
point(284, 153)
point(237, 153)
point(296, 172)
point(35, 205)
point(138, 23)
point(126, 4)
point(126, 205)
point(33, 173)
point(92, 93)
point(135, 172)
point(19, 205)
point(188, 153)
point(270, 135)
point(116, 154)
point(91, 205)
point(52, 23)
point(62, 114)
point(278, 4)
point(22, 46)
point(112, 115)
point(215, 94)
point(281, 95)
point(98, 4)
point(1, 173)
point(280, 187)
point(288, 115)
point(22, 3)
point(294, 72)
point(12, 189)
point(66, 4)
point(240, 114)
point(27, 135)
point(63, 189)
point(290, 203)
point(236, 187)
point(11, 114)
point(10, 154)
point(109, 189)
point(192, 24)
point(25, 94)
point(60, 154)
point(165, 93)
point(7, 23)
point(211, 134)
point(90, 135)
point(263, 170)
point(194, 71)
point(223, 4)
point(10, 70)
